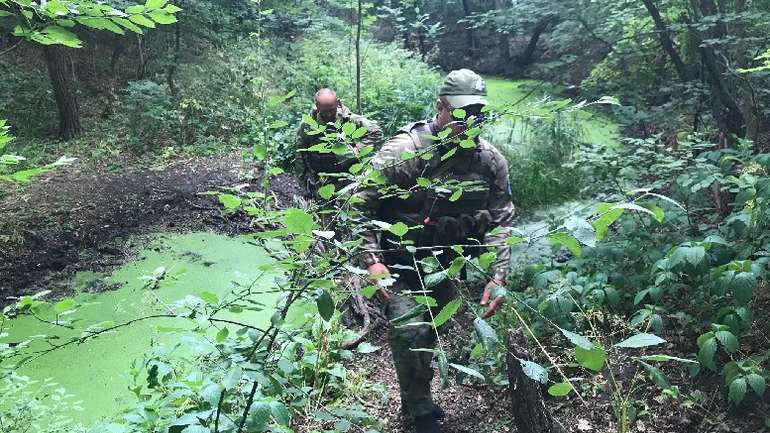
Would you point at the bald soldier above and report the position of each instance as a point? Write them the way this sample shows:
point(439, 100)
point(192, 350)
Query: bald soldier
point(484, 205)
point(309, 166)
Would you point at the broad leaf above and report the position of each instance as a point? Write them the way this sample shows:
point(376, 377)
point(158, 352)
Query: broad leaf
point(325, 305)
point(447, 312)
point(560, 389)
point(641, 340)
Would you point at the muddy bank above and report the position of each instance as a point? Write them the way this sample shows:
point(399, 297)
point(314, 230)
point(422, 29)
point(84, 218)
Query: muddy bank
point(91, 218)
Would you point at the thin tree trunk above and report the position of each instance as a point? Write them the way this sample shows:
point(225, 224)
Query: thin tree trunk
point(172, 67)
point(504, 43)
point(530, 415)
point(470, 38)
point(62, 75)
point(665, 41)
point(358, 57)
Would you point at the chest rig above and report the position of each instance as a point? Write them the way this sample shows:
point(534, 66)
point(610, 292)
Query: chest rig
point(454, 208)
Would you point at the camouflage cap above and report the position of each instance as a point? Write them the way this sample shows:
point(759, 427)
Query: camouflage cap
point(464, 87)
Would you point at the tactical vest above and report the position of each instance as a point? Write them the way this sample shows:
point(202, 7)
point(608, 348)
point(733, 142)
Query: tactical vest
point(446, 219)
point(327, 162)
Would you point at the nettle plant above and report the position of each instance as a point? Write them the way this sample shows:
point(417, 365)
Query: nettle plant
point(693, 264)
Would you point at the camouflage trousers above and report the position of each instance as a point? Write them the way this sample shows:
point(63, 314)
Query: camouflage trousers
point(414, 369)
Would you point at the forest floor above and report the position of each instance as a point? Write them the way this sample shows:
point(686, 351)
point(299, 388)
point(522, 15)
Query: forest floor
point(93, 218)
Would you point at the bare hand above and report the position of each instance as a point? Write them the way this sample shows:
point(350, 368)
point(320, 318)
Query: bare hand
point(376, 272)
point(496, 303)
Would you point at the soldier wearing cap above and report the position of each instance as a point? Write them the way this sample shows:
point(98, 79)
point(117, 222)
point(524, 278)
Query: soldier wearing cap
point(311, 166)
point(484, 205)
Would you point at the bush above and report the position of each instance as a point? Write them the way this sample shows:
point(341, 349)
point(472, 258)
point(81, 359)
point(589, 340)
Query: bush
point(538, 154)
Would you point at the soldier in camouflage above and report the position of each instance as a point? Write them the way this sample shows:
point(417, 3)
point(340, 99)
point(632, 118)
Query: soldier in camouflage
point(310, 166)
point(483, 206)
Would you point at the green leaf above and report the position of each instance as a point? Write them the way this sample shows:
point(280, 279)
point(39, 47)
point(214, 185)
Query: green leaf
point(64, 305)
point(458, 113)
point(369, 291)
point(135, 9)
point(560, 389)
point(209, 298)
point(426, 300)
point(229, 201)
point(577, 339)
point(582, 231)
point(434, 279)
point(467, 370)
point(358, 133)
point(566, 240)
point(162, 17)
point(706, 353)
point(486, 259)
point(349, 128)
point(447, 312)
point(443, 369)
point(399, 229)
point(423, 182)
point(327, 191)
point(513, 240)
point(641, 340)
point(657, 376)
point(155, 4)
point(737, 391)
point(325, 305)
point(128, 24)
point(757, 383)
point(456, 195)
point(259, 416)
point(297, 221)
point(367, 347)
point(607, 217)
point(232, 378)
point(279, 412)
point(222, 335)
point(657, 212)
point(592, 359)
point(142, 21)
point(59, 35)
point(742, 286)
point(664, 358)
point(486, 334)
point(172, 9)
point(728, 340)
point(534, 371)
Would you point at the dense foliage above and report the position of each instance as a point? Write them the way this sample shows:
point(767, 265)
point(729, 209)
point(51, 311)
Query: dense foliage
point(651, 291)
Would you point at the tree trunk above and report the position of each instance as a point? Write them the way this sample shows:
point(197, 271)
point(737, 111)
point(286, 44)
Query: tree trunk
point(665, 41)
point(527, 405)
point(525, 57)
point(725, 107)
point(470, 38)
point(62, 75)
point(358, 56)
point(503, 42)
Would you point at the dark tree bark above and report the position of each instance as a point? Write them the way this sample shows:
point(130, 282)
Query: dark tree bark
point(725, 106)
point(525, 57)
point(504, 43)
point(527, 405)
point(358, 56)
point(470, 38)
point(666, 42)
point(63, 81)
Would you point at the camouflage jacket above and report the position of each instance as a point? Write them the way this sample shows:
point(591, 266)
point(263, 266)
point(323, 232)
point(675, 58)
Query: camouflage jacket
point(308, 165)
point(484, 162)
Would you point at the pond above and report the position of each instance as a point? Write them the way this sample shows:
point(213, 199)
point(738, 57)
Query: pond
point(96, 371)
